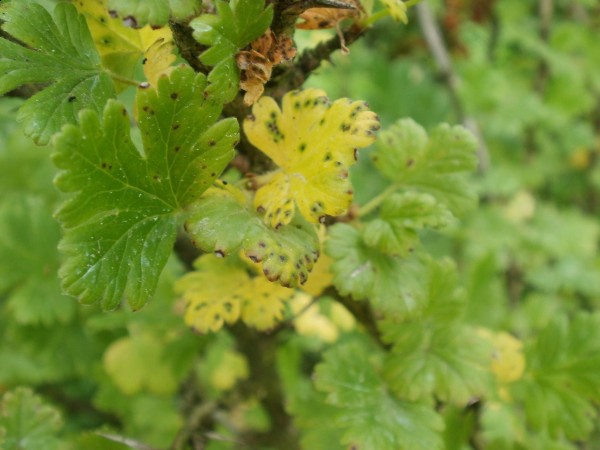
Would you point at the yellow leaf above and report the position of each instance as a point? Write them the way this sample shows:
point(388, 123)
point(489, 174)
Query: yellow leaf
point(342, 318)
point(135, 363)
point(158, 59)
point(120, 47)
point(310, 321)
point(321, 275)
point(580, 159)
point(220, 291)
point(231, 368)
point(314, 143)
point(263, 302)
point(508, 361)
point(397, 10)
point(211, 293)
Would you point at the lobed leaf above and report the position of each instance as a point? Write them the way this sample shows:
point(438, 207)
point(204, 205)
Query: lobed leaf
point(395, 231)
point(121, 47)
point(29, 263)
point(222, 222)
point(391, 284)
point(155, 13)
point(59, 51)
point(314, 142)
point(434, 355)
point(121, 221)
point(220, 291)
point(27, 423)
point(560, 385)
point(370, 417)
point(236, 24)
point(435, 165)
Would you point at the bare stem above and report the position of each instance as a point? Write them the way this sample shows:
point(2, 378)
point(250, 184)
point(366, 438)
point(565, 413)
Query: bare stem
point(437, 47)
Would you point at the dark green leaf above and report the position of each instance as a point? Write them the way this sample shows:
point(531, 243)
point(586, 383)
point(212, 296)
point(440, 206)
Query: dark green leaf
point(59, 51)
point(121, 222)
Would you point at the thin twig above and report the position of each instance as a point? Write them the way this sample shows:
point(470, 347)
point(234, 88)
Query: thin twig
point(438, 49)
point(131, 443)
point(294, 75)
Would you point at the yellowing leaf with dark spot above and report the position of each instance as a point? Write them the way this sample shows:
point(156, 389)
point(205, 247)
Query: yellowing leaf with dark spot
point(158, 59)
point(263, 303)
point(211, 293)
point(314, 143)
point(220, 291)
point(223, 222)
point(507, 358)
point(120, 46)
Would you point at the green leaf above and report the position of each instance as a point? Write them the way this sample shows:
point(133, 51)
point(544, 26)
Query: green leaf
point(224, 222)
point(434, 165)
point(29, 263)
point(434, 355)
point(27, 422)
point(154, 12)
point(560, 385)
point(395, 231)
point(393, 285)
point(142, 12)
point(121, 222)
point(236, 24)
point(307, 405)
point(59, 52)
point(368, 415)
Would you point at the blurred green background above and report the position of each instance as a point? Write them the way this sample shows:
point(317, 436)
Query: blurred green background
point(527, 74)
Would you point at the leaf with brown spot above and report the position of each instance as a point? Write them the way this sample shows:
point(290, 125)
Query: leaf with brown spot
point(257, 63)
point(322, 18)
point(223, 220)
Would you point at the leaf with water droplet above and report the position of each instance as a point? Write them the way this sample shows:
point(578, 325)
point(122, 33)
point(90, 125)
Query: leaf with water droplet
point(60, 53)
point(125, 202)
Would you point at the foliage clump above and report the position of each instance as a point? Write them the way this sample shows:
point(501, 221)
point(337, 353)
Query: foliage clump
point(262, 259)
